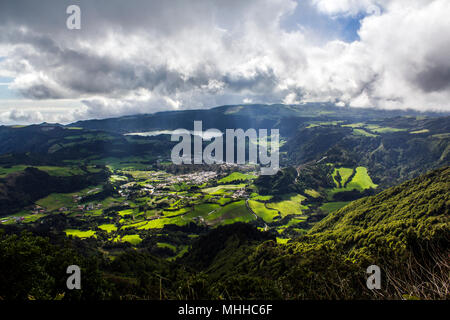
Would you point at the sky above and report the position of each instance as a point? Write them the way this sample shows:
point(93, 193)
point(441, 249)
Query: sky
point(143, 56)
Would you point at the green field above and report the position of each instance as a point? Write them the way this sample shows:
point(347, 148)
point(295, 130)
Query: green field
point(134, 239)
point(345, 173)
point(224, 201)
point(333, 206)
point(282, 240)
point(386, 130)
point(236, 177)
point(420, 131)
point(261, 211)
point(108, 227)
point(361, 181)
point(161, 222)
point(313, 193)
point(202, 210)
point(231, 213)
point(291, 204)
point(51, 170)
point(222, 189)
point(167, 245)
point(55, 201)
point(255, 196)
point(79, 233)
point(361, 132)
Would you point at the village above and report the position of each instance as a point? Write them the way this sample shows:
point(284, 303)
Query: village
point(131, 186)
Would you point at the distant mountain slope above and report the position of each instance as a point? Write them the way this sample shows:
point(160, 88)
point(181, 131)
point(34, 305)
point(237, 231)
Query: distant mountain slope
point(50, 144)
point(284, 117)
point(393, 145)
point(22, 188)
point(393, 149)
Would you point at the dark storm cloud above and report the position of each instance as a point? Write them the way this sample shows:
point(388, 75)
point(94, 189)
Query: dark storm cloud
point(144, 56)
point(434, 78)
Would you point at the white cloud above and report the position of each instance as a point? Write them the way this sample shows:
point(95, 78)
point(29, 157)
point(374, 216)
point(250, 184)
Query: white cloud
point(350, 7)
point(185, 55)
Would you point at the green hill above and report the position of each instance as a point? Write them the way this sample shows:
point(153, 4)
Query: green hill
point(404, 230)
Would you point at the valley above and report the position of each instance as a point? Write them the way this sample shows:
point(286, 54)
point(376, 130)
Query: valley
point(117, 198)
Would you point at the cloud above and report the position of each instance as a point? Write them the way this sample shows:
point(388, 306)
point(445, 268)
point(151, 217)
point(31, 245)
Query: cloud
point(148, 56)
point(21, 116)
point(350, 7)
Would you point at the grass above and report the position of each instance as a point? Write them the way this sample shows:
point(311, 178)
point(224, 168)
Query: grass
point(386, 130)
point(441, 135)
point(55, 201)
point(134, 239)
point(5, 171)
point(236, 177)
point(323, 123)
point(108, 227)
point(171, 213)
point(282, 240)
point(360, 181)
point(203, 210)
point(32, 217)
point(345, 173)
point(179, 254)
point(79, 233)
point(294, 221)
point(231, 213)
point(258, 197)
point(420, 131)
point(354, 125)
point(224, 201)
point(161, 222)
point(167, 245)
point(313, 193)
point(127, 212)
point(218, 190)
point(261, 211)
point(291, 205)
point(333, 206)
point(51, 170)
point(361, 132)
point(126, 163)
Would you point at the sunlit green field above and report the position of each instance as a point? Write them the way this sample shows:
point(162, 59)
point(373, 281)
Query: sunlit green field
point(51, 170)
point(291, 204)
point(108, 227)
point(167, 245)
point(79, 233)
point(261, 211)
point(362, 132)
point(134, 239)
point(221, 189)
point(345, 173)
point(360, 181)
point(236, 177)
